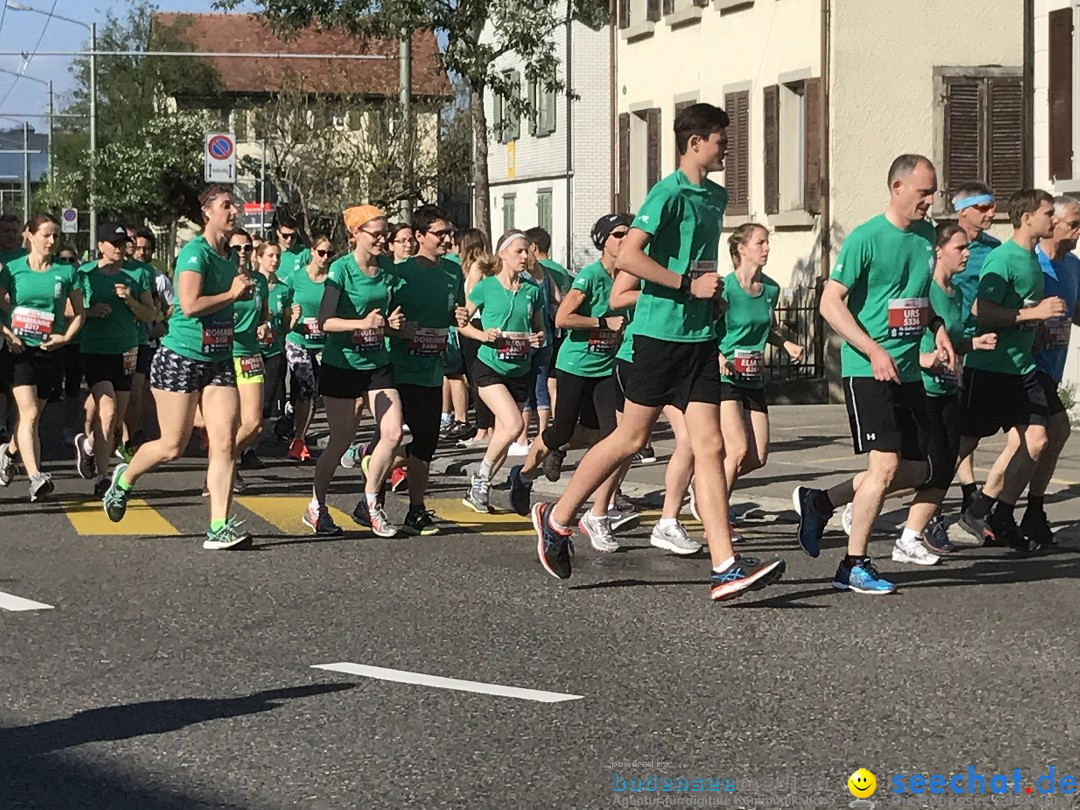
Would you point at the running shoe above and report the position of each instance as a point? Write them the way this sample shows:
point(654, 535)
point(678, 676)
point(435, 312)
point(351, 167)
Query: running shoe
point(125, 452)
point(936, 537)
point(913, 551)
point(1036, 527)
point(115, 499)
point(745, 574)
point(283, 429)
point(7, 467)
point(554, 548)
point(517, 450)
point(552, 465)
point(460, 430)
point(645, 455)
point(101, 485)
point(846, 517)
point(478, 498)
point(420, 521)
point(444, 426)
point(41, 484)
point(1006, 531)
point(375, 519)
point(351, 457)
point(84, 458)
point(227, 537)
point(238, 483)
point(674, 539)
point(620, 519)
point(520, 491)
point(399, 479)
point(976, 527)
point(598, 530)
point(298, 450)
point(811, 522)
point(319, 521)
point(473, 441)
point(250, 461)
point(861, 578)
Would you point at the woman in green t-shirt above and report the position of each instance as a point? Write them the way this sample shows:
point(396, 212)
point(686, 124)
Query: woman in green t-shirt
point(279, 322)
point(117, 307)
point(511, 329)
point(36, 293)
point(305, 341)
point(194, 367)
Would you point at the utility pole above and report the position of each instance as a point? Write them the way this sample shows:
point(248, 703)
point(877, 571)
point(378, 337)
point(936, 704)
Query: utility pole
point(405, 100)
point(93, 139)
point(26, 171)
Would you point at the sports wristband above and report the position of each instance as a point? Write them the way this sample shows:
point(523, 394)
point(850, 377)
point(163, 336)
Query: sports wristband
point(601, 323)
point(684, 284)
point(934, 323)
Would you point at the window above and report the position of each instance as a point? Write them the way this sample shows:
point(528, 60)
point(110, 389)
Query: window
point(509, 204)
point(1060, 59)
point(981, 129)
point(679, 107)
point(638, 11)
point(791, 123)
point(639, 156)
point(737, 164)
point(623, 201)
point(507, 118)
point(671, 6)
point(542, 101)
point(543, 209)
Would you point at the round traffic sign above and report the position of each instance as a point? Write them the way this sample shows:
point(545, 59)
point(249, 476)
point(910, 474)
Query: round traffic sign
point(220, 147)
point(69, 215)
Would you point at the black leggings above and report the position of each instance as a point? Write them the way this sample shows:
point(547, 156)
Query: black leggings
point(421, 408)
point(484, 417)
point(943, 446)
point(592, 399)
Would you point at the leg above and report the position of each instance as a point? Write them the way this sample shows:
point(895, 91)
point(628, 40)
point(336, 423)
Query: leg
point(105, 425)
point(508, 426)
point(680, 467)
point(29, 408)
point(1032, 443)
point(341, 418)
point(1057, 434)
point(385, 404)
point(735, 424)
point(221, 409)
point(176, 418)
point(459, 395)
point(251, 411)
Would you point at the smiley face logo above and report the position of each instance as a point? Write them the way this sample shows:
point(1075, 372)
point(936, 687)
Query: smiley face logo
point(862, 784)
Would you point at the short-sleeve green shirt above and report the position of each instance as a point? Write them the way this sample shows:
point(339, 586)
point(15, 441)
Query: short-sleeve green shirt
point(208, 338)
point(427, 297)
point(359, 295)
point(118, 332)
point(306, 294)
point(247, 315)
point(950, 308)
point(744, 330)
point(278, 305)
point(511, 312)
point(37, 299)
point(1012, 278)
point(591, 352)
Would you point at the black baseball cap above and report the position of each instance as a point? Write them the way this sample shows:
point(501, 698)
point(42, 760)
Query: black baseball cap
point(113, 232)
point(604, 226)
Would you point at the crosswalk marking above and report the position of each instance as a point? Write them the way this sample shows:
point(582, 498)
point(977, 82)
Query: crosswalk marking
point(284, 512)
point(141, 520)
point(452, 510)
point(11, 602)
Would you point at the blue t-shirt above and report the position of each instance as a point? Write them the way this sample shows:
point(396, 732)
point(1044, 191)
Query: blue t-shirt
point(1063, 280)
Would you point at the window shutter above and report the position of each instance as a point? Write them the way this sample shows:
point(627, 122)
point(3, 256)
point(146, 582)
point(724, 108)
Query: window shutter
point(623, 203)
point(701, 3)
point(771, 126)
point(1061, 93)
point(652, 124)
point(963, 114)
point(624, 13)
point(514, 116)
point(498, 113)
point(534, 109)
point(652, 10)
point(737, 164)
point(669, 7)
point(812, 147)
point(679, 107)
point(1006, 173)
point(550, 106)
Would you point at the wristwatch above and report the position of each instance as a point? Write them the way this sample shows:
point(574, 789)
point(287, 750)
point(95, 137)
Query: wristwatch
point(684, 284)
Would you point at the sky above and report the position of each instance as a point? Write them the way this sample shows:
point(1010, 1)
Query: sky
point(20, 32)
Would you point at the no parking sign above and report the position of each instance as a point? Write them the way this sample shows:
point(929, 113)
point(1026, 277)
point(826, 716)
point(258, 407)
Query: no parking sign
point(69, 220)
point(220, 157)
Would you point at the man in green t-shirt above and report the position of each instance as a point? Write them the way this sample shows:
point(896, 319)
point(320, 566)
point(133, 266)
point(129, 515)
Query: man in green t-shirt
point(1001, 388)
point(672, 246)
point(877, 300)
point(287, 236)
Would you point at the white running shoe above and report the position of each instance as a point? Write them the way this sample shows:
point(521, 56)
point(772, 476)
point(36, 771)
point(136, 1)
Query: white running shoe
point(674, 539)
point(845, 519)
point(912, 551)
point(517, 450)
point(599, 533)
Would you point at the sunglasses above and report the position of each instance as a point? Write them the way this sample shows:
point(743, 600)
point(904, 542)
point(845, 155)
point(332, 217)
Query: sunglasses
point(1074, 224)
point(321, 252)
point(283, 235)
point(241, 248)
point(376, 235)
point(985, 208)
point(618, 234)
point(67, 259)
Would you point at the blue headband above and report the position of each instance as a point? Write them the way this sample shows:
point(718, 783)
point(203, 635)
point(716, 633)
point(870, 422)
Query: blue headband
point(967, 202)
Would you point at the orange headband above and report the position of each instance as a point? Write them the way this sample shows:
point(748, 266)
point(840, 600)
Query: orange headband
point(358, 216)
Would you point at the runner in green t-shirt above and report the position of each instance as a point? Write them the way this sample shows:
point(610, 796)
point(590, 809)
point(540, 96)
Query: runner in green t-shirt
point(356, 310)
point(511, 329)
point(1001, 387)
point(287, 238)
point(118, 305)
point(672, 246)
point(877, 301)
point(194, 367)
point(272, 342)
point(34, 329)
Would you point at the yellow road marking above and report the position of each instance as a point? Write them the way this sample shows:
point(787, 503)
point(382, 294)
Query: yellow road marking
point(452, 510)
point(284, 512)
point(141, 520)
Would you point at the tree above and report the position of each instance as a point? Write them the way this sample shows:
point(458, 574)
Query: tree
point(522, 28)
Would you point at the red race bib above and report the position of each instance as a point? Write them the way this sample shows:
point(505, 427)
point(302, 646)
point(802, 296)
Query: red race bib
point(367, 340)
point(748, 364)
point(908, 316)
point(428, 342)
point(131, 359)
point(251, 366)
point(28, 322)
point(217, 336)
point(602, 341)
point(511, 346)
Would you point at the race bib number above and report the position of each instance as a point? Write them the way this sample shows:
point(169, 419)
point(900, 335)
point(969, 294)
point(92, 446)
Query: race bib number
point(908, 316)
point(428, 342)
point(367, 340)
point(512, 346)
point(217, 337)
point(699, 269)
point(1056, 333)
point(312, 330)
point(748, 364)
point(602, 341)
point(131, 359)
point(27, 322)
point(251, 366)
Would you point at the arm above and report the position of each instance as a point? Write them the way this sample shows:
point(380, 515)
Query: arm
point(536, 339)
point(633, 260)
point(142, 307)
point(625, 292)
point(994, 316)
point(778, 337)
point(189, 291)
point(74, 324)
point(835, 312)
point(471, 332)
point(330, 322)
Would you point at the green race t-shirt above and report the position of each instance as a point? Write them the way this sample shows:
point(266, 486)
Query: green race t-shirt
point(308, 295)
point(247, 315)
point(967, 282)
point(290, 262)
point(684, 221)
point(360, 294)
point(559, 273)
point(210, 337)
point(1012, 278)
point(427, 297)
point(887, 273)
point(143, 274)
point(591, 352)
point(949, 306)
point(118, 332)
point(37, 299)
point(278, 305)
point(511, 312)
point(744, 330)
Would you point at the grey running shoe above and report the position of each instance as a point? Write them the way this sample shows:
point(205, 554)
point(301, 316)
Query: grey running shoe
point(41, 484)
point(936, 538)
point(478, 498)
point(674, 539)
point(598, 530)
point(7, 467)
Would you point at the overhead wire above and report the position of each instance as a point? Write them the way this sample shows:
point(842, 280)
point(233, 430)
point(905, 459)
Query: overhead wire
point(29, 58)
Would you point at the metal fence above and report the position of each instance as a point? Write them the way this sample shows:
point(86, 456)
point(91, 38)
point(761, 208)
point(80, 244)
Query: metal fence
point(797, 310)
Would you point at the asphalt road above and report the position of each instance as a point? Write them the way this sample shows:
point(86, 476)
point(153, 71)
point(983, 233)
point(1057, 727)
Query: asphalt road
point(164, 676)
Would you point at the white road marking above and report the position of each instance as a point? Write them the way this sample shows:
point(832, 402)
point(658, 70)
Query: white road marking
point(438, 682)
point(11, 602)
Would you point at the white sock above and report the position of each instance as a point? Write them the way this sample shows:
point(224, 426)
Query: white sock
point(910, 534)
point(314, 504)
point(724, 565)
point(485, 468)
point(444, 419)
point(667, 523)
point(372, 500)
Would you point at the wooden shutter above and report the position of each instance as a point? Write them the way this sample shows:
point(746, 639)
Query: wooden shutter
point(549, 108)
point(652, 10)
point(513, 128)
point(963, 115)
point(534, 108)
point(498, 112)
point(737, 164)
point(1005, 169)
point(679, 107)
point(652, 139)
point(669, 6)
point(624, 13)
point(623, 203)
point(1061, 93)
point(812, 146)
point(771, 126)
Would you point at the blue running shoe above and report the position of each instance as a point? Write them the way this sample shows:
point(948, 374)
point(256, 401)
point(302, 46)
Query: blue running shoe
point(520, 492)
point(553, 548)
point(745, 574)
point(862, 578)
point(811, 521)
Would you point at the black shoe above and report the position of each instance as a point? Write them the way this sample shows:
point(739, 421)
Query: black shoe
point(644, 456)
point(520, 492)
point(283, 429)
point(250, 461)
point(459, 431)
point(1008, 533)
point(811, 521)
point(553, 548)
point(1036, 528)
point(552, 465)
